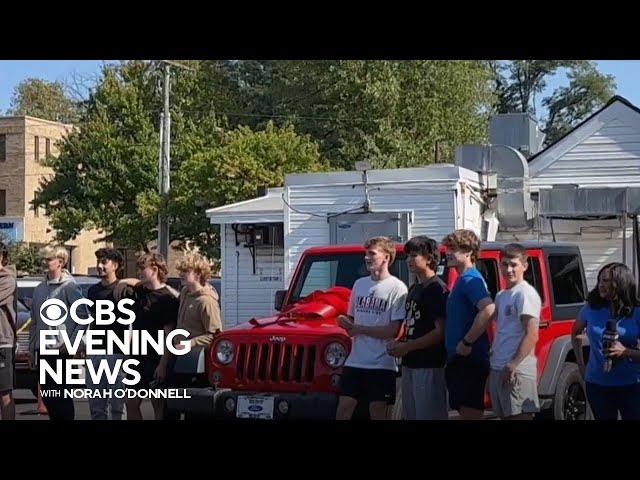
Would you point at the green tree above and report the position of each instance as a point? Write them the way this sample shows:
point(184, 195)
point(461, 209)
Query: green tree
point(107, 162)
point(245, 161)
point(42, 99)
point(106, 175)
point(518, 82)
point(588, 91)
point(25, 258)
point(393, 113)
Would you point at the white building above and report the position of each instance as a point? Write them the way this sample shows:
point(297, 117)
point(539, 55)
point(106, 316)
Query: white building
point(327, 208)
point(601, 152)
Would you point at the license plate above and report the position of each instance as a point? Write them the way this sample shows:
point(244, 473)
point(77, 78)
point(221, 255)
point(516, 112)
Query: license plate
point(260, 407)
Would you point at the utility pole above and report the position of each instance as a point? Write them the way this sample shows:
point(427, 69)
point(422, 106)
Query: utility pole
point(165, 163)
point(165, 159)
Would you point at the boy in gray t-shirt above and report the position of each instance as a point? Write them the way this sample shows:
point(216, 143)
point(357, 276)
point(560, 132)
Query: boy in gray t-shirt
point(513, 378)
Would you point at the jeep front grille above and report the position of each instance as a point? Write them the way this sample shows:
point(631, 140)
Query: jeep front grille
point(275, 363)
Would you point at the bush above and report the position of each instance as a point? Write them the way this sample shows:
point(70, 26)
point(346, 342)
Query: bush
point(24, 256)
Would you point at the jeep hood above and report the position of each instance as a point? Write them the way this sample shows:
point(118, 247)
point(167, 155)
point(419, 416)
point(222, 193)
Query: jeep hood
point(315, 313)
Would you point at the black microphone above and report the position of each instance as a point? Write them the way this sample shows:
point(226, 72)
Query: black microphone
point(609, 337)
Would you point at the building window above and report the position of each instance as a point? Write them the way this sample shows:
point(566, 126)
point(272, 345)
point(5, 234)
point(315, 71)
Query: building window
point(3, 148)
point(36, 148)
point(47, 147)
point(36, 210)
point(3, 202)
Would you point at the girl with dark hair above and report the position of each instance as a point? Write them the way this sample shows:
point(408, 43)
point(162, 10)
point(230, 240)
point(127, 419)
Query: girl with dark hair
point(612, 320)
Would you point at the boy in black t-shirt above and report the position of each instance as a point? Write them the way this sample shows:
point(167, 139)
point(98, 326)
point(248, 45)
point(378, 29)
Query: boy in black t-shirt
point(424, 390)
point(156, 308)
point(108, 263)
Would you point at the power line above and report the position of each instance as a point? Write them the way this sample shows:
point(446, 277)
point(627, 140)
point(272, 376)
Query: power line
point(14, 175)
point(268, 115)
point(405, 121)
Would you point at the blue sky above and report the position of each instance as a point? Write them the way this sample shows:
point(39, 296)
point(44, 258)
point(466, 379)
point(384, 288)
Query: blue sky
point(13, 72)
point(626, 72)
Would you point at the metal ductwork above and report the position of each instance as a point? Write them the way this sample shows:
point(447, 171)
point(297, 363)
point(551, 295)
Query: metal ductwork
point(571, 202)
point(584, 203)
point(506, 177)
point(518, 130)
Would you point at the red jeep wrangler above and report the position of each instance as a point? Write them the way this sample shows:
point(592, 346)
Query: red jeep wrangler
point(288, 366)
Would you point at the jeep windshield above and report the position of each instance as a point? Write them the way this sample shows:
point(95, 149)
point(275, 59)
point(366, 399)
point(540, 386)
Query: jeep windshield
point(320, 272)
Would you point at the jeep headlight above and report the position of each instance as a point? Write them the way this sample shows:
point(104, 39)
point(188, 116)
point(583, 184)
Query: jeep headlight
point(224, 352)
point(335, 354)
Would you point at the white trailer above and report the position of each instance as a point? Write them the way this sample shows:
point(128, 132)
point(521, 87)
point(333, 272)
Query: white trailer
point(262, 239)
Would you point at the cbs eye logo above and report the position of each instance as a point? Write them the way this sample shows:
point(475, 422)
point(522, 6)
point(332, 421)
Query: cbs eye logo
point(54, 312)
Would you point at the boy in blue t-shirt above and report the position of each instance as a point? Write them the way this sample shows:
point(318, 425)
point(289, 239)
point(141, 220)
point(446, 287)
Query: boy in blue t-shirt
point(469, 311)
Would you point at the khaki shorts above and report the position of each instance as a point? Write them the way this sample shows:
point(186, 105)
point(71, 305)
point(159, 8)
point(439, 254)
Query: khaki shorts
point(509, 400)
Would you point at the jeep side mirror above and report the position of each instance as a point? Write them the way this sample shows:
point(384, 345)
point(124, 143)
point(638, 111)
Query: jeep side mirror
point(280, 294)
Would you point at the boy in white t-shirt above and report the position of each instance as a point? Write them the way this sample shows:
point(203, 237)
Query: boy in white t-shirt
point(513, 379)
point(376, 311)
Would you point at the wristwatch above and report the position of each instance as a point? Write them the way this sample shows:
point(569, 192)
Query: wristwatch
point(465, 343)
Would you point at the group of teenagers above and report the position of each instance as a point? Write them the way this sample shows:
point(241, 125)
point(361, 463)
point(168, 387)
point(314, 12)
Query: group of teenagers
point(441, 338)
point(157, 307)
point(438, 337)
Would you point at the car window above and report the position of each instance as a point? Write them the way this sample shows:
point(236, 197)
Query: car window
point(566, 279)
point(488, 267)
point(533, 276)
point(22, 307)
point(216, 283)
